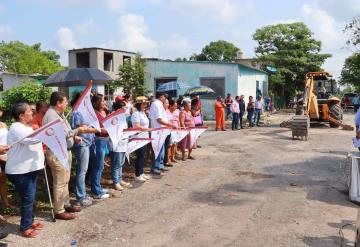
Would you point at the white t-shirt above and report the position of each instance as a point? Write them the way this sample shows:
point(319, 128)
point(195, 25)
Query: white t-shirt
point(157, 110)
point(25, 156)
point(141, 118)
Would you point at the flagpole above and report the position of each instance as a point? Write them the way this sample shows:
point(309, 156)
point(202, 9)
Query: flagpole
point(48, 189)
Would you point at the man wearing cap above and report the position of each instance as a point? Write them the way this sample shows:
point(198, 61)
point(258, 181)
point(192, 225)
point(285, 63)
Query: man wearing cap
point(158, 119)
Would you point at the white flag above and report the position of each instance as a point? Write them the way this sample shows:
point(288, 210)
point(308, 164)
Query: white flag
point(195, 133)
point(53, 135)
point(136, 143)
point(114, 125)
point(179, 134)
point(84, 106)
point(158, 135)
point(129, 132)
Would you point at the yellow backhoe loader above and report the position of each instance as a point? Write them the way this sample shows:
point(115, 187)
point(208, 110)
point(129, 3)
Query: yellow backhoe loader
point(316, 106)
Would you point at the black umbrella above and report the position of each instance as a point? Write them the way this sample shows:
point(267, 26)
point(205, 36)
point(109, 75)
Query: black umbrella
point(77, 77)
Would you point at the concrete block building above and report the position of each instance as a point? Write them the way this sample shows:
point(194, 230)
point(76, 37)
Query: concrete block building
point(222, 77)
point(104, 59)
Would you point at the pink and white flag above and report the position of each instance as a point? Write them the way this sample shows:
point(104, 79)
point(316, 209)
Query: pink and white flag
point(114, 124)
point(134, 144)
point(159, 135)
point(179, 134)
point(195, 133)
point(131, 131)
point(53, 135)
point(84, 106)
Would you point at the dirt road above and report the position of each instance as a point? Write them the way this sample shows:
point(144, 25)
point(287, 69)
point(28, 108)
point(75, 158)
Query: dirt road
point(254, 187)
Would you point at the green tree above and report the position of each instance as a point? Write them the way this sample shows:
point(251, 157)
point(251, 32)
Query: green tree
point(350, 73)
point(220, 50)
point(353, 31)
point(293, 51)
point(132, 77)
point(17, 57)
point(28, 91)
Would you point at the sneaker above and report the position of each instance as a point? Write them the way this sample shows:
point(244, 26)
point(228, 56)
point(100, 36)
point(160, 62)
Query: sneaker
point(103, 196)
point(156, 172)
point(145, 176)
point(86, 202)
point(164, 169)
point(105, 191)
point(125, 184)
point(140, 179)
point(118, 187)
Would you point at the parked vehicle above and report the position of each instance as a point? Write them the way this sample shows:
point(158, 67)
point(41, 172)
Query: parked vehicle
point(346, 100)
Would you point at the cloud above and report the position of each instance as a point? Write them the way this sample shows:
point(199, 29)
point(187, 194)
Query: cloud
point(324, 27)
point(5, 32)
point(132, 34)
point(86, 27)
point(223, 11)
point(175, 46)
point(343, 10)
point(65, 38)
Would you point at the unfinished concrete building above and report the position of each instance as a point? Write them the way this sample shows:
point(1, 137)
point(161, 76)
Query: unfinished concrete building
point(104, 59)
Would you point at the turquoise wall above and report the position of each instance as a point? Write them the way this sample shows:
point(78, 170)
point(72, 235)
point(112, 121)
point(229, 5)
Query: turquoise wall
point(238, 79)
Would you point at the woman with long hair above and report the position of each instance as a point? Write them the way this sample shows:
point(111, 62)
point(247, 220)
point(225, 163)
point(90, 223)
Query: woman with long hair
point(101, 147)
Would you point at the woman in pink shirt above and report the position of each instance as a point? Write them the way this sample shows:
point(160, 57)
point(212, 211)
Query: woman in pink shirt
point(173, 117)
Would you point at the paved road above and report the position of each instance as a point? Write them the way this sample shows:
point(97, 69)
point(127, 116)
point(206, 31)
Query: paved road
point(246, 188)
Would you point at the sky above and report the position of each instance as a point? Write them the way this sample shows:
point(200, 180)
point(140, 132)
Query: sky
point(171, 28)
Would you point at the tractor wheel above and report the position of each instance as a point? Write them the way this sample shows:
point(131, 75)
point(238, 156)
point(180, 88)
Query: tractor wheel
point(336, 112)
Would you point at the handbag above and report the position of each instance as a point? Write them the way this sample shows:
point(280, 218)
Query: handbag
point(198, 119)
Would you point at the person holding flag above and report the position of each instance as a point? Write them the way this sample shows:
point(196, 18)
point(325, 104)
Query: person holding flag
point(101, 147)
point(118, 122)
point(158, 119)
point(84, 152)
point(61, 174)
point(25, 160)
point(139, 120)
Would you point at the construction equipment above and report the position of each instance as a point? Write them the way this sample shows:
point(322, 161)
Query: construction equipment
point(317, 106)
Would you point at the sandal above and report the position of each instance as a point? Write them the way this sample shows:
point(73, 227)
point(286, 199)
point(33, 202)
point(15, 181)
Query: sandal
point(30, 233)
point(37, 226)
point(191, 158)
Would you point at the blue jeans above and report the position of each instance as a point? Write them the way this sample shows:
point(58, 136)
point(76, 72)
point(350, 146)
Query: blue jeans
point(83, 154)
point(250, 117)
point(235, 121)
point(101, 147)
point(25, 185)
point(117, 162)
point(158, 163)
point(257, 116)
point(228, 112)
point(140, 161)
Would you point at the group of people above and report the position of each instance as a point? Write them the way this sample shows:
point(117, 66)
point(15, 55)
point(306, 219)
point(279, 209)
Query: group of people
point(23, 158)
point(237, 108)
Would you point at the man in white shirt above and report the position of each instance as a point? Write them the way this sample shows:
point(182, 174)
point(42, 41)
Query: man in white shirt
point(158, 119)
point(259, 108)
point(235, 111)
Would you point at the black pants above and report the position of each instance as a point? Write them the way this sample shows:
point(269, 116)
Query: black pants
point(166, 145)
point(241, 114)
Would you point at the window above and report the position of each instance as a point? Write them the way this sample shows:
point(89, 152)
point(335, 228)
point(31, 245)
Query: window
point(159, 81)
point(83, 60)
point(108, 61)
point(108, 93)
point(126, 59)
point(215, 83)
